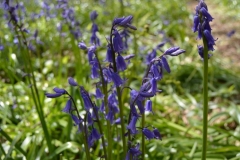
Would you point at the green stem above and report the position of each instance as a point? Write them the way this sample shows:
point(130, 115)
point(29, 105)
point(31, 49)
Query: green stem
point(143, 137)
point(34, 89)
point(109, 137)
point(83, 128)
point(205, 99)
point(122, 7)
point(118, 95)
point(122, 119)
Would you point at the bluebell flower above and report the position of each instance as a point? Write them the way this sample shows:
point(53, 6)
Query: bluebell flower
point(93, 15)
point(157, 134)
point(134, 151)
point(95, 134)
point(165, 64)
point(206, 14)
point(68, 107)
point(134, 111)
point(151, 56)
point(82, 46)
point(117, 121)
point(110, 117)
point(174, 51)
point(109, 55)
point(148, 134)
point(153, 88)
point(132, 125)
point(95, 112)
point(206, 26)
point(86, 99)
point(72, 82)
point(102, 107)
point(59, 90)
point(53, 95)
point(94, 69)
point(116, 79)
point(140, 106)
point(117, 42)
point(124, 22)
point(121, 65)
point(99, 94)
point(91, 140)
point(91, 52)
point(195, 23)
point(200, 52)
point(202, 25)
point(125, 34)
point(210, 39)
point(156, 73)
point(76, 120)
point(148, 106)
point(89, 119)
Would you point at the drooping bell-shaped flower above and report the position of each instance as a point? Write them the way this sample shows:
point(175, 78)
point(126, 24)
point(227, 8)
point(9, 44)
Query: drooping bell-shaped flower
point(72, 82)
point(86, 99)
point(157, 134)
point(132, 125)
point(121, 65)
point(89, 119)
point(99, 94)
point(148, 134)
point(53, 95)
point(59, 90)
point(117, 42)
point(165, 64)
point(148, 106)
point(95, 134)
point(68, 107)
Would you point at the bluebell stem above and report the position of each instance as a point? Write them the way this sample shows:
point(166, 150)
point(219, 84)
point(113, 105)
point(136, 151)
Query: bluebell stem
point(205, 32)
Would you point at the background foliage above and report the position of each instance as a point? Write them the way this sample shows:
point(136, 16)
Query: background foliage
point(177, 111)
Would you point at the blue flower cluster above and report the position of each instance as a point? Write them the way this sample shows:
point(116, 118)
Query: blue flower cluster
point(201, 25)
point(109, 75)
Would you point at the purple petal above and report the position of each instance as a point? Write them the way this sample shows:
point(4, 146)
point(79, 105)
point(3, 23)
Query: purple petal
point(72, 82)
point(165, 64)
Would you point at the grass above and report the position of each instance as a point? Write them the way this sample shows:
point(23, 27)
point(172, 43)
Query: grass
point(178, 110)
